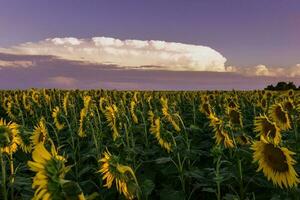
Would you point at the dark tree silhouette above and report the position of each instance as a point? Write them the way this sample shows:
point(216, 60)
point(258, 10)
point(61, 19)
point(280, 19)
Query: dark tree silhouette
point(283, 86)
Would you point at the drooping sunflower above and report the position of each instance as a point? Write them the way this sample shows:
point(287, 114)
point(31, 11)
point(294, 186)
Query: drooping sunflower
point(122, 175)
point(10, 139)
point(221, 136)
point(169, 117)
point(26, 141)
point(276, 163)
point(280, 116)
point(66, 103)
point(235, 117)
point(268, 130)
point(27, 104)
point(263, 104)
point(132, 111)
point(50, 172)
point(40, 133)
point(56, 114)
point(205, 108)
point(102, 104)
point(288, 105)
point(82, 120)
point(155, 129)
point(111, 118)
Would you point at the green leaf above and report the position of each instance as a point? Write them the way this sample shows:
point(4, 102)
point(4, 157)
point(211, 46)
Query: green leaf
point(163, 160)
point(147, 187)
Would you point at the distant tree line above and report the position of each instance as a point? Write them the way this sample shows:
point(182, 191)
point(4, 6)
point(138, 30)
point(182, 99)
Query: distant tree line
point(283, 86)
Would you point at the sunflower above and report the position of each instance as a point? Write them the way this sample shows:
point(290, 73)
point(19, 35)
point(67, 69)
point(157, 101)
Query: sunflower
point(102, 103)
point(26, 142)
point(83, 114)
point(56, 114)
point(288, 105)
point(40, 133)
point(205, 108)
point(66, 103)
point(10, 139)
point(291, 93)
point(12, 110)
point(155, 129)
point(132, 111)
point(167, 115)
point(221, 136)
point(27, 104)
point(111, 118)
point(268, 130)
point(263, 104)
point(122, 175)
point(235, 117)
point(280, 116)
point(50, 171)
point(276, 163)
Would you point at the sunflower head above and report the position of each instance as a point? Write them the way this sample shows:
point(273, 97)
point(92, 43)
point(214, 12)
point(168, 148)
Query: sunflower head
point(123, 176)
point(132, 112)
point(235, 117)
point(50, 171)
point(268, 130)
point(276, 163)
point(291, 93)
point(288, 105)
point(205, 108)
point(162, 138)
point(26, 141)
point(280, 116)
point(111, 115)
point(221, 136)
point(57, 117)
point(102, 104)
point(10, 139)
point(263, 103)
point(40, 132)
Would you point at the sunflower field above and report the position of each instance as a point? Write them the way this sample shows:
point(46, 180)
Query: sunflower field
point(183, 145)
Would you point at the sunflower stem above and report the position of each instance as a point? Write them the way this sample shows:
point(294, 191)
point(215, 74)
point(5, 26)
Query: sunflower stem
point(241, 179)
point(3, 170)
point(218, 182)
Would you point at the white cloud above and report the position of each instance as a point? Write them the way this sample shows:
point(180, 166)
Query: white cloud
point(127, 53)
point(263, 70)
point(15, 64)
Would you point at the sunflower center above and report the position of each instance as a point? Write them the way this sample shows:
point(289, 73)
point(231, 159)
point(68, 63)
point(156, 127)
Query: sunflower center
point(275, 158)
point(235, 117)
point(231, 104)
point(289, 106)
point(5, 136)
point(269, 129)
point(280, 114)
point(206, 108)
point(42, 137)
point(263, 103)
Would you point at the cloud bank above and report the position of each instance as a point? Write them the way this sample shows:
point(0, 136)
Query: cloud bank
point(16, 64)
point(138, 54)
point(263, 70)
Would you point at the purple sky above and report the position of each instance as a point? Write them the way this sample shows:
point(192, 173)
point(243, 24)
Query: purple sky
point(246, 32)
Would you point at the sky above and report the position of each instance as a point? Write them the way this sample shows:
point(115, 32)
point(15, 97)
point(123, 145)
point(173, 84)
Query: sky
point(176, 44)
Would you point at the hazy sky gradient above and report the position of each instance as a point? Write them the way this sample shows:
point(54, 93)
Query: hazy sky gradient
point(245, 32)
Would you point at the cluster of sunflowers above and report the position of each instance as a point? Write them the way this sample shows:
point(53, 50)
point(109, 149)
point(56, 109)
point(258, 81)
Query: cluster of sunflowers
point(99, 144)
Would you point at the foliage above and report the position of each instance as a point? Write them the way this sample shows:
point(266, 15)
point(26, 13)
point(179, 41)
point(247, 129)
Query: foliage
point(100, 144)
